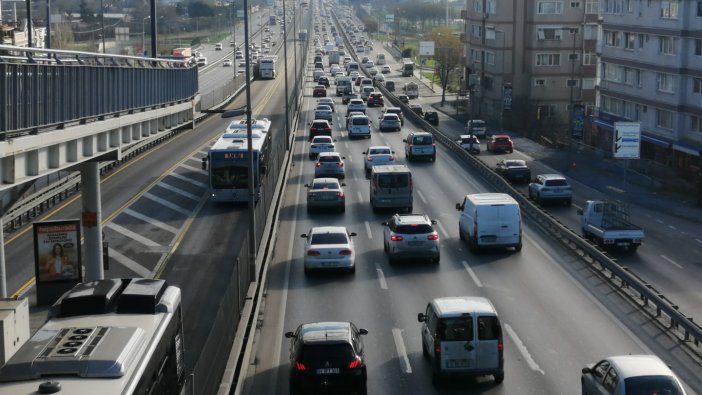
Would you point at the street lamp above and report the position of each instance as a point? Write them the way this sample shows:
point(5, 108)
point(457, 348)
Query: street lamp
point(285, 63)
point(573, 57)
point(143, 28)
point(249, 149)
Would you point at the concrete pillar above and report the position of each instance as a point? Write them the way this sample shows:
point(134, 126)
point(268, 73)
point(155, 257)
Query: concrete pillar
point(3, 278)
point(92, 221)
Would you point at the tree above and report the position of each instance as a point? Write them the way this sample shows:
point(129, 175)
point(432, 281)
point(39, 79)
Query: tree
point(87, 15)
point(448, 55)
point(199, 9)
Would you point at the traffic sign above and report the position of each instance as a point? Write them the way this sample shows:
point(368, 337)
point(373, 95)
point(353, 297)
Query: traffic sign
point(627, 140)
point(389, 18)
point(426, 48)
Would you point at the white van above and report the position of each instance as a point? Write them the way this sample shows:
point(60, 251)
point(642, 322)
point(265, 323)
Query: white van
point(462, 336)
point(359, 126)
point(490, 220)
point(391, 187)
point(351, 66)
point(366, 90)
point(342, 83)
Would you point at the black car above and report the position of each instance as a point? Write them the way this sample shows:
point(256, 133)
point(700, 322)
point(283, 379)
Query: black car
point(403, 98)
point(323, 81)
point(514, 170)
point(327, 356)
point(432, 117)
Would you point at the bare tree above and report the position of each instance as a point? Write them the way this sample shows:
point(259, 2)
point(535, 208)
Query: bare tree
point(448, 53)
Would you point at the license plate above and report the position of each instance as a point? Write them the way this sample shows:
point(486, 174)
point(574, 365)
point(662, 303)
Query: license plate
point(489, 239)
point(327, 371)
point(326, 197)
point(329, 264)
point(457, 363)
point(415, 243)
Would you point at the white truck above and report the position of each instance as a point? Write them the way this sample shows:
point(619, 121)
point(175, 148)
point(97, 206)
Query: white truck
point(411, 89)
point(333, 57)
point(380, 59)
point(265, 67)
point(607, 224)
point(343, 84)
point(490, 220)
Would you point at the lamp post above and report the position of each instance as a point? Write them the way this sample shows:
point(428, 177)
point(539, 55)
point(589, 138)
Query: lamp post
point(143, 34)
point(569, 131)
point(249, 148)
point(285, 63)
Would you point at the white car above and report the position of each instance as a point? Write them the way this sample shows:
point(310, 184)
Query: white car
point(369, 64)
point(329, 247)
point(321, 144)
point(378, 155)
point(323, 111)
point(385, 69)
point(356, 105)
point(227, 63)
point(373, 71)
point(328, 101)
point(378, 78)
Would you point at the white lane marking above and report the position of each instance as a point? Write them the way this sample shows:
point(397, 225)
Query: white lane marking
point(401, 350)
point(470, 271)
point(698, 240)
point(129, 264)
point(193, 168)
point(381, 277)
point(179, 191)
point(421, 196)
point(660, 221)
point(355, 178)
point(679, 266)
point(205, 152)
point(360, 196)
point(150, 220)
point(166, 203)
point(523, 350)
point(368, 230)
point(189, 180)
point(350, 159)
point(672, 227)
point(132, 235)
point(442, 229)
point(346, 144)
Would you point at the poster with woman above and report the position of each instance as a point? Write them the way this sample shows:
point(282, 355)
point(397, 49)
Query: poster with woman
point(57, 251)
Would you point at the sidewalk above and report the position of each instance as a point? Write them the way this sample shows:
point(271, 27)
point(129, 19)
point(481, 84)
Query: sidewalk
point(592, 168)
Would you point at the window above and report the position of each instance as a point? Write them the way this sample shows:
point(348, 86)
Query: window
point(695, 124)
point(615, 6)
point(664, 119)
point(490, 4)
point(548, 59)
point(669, 9)
point(588, 83)
point(456, 329)
point(539, 82)
point(665, 82)
point(548, 33)
point(629, 41)
point(592, 6)
point(475, 55)
point(698, 47)
point(610, 381)
point(488, 328)
point(697, 85)
point(574, 4)
point(611, 38)
point(639, 79)
point(666, 45)
point(643, 38)
point(490, 58)
point(590, 32)
point(699, 9)
point(476, 31)
point(546, 111)
point(629, 76)
point(549, 7)
point(628, 110)
point(489, 83)
point(572, 83)
point(613, 72)
point(589, 59)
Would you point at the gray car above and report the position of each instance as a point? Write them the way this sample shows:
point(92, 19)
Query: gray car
point(329, 164)
point(551, 188)
point(325, 193)
point(630, 374)
point(390, 122)
point(411, 236)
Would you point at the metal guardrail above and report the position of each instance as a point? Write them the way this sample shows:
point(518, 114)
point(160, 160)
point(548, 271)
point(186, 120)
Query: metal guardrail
point(645, 295)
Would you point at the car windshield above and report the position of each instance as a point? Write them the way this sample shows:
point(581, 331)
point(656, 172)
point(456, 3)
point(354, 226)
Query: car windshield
point(393, 180)
point(422, 140)
point(319, 125)
point(322, 140)
point(647, 385)
point(325, 185)
point(414, 229)
point(329, 238)
point(333, 354)
point(469, 140)
point(378, 151)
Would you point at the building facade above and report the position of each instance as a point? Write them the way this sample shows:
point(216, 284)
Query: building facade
point(536, 60)
point(651, 72)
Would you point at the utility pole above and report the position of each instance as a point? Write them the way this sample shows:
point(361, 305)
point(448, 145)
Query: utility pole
point(154, 24)
point(30, 26)
point(482, 60)
point(249, 150)
point(48, 24)
point(285, 63)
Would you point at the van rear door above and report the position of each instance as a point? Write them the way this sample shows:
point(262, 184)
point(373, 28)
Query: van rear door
point(456, 336)
point(498, 224)
point(489, 344)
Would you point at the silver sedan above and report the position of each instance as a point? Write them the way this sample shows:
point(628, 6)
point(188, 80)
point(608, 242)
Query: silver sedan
point(329, 247)
point(326, 193)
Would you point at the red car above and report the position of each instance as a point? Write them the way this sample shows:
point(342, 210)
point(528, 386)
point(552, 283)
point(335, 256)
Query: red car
point(319, 91)
point(375, 99)
point(500, 143)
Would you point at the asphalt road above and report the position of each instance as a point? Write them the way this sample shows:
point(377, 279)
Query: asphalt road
point(557, 315)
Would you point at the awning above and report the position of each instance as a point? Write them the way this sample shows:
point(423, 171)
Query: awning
point(603, 124)
point(689, 148)
point(655, 141)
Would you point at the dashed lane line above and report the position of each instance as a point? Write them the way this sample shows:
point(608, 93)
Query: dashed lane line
point(192, 168)
point(523, 350)
point(381, 277)
point(472, 274)
point(132, 235)
point(679, 266)
point(150, 220)
point(189, 180)
point(401, 351)
point(360, 196)
point(421, 196)
point(166, 203)
point(179, 191)
point(368, 229)
point(141, 271)
point(442, 229)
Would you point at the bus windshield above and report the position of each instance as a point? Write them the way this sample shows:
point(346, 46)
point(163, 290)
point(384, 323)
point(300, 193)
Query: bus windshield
point(228, 177)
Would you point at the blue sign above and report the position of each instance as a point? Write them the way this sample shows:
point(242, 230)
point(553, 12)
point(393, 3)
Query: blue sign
point(577, 128)
point(507, 97)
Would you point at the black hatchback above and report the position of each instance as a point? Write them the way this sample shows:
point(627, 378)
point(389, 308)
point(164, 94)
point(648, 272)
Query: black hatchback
point(432, 117)
point(327, 357)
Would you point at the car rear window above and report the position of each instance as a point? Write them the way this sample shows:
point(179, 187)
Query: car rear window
point(556, 183)
point(645, 385)
point(456, 329)
point(422, 140)
point(393, 180)
point(376, 151)
point(329, 158)
point(359, 121)
point(319, 125)
point(323, 185)
point(319, 354)
point(489, 328)
point(414, 229)
point(329, 238)
point(502, 140)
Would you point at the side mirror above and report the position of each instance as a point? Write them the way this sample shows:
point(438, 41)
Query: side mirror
point(362, 331)
point(289, 335)
point(580, 211)
point(204, 163)
point(343, 157)
point(421, 317)
point(352, 234)
point(304, 236)
point(384, 223)
point(307, 185)
point(365, 152)
point(586, 370)
point(433, 222)
point(404, 140)
point(392, 152)
point(459, 206)
point(343, 185)
point(334, 140)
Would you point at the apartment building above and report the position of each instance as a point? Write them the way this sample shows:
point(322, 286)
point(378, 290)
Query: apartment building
point(651, 71)
point(536, 58)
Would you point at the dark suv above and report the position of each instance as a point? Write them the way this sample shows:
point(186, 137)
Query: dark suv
point(327, 356)
point(375, 99)
point(320, 127)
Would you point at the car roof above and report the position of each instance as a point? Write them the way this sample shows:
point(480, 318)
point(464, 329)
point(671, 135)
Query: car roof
point(379, 147)
point(639, 365)
point(329, 154)
point(321, 120)
point(408, 219)
point(326, 332)
point(323, 107)
point(457, 306)
point(514, 162)
point(391, 115)
point(420, 133)
point(328, 229)
point(327, 179)
point(552, 176)
point(322, 138)
point(495, 136)
point(467, 136)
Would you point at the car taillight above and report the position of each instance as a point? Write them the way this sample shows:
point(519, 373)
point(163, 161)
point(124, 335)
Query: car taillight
point(437, 347)
point(341, 195)
point(300, 366)
point(433, 237)
point(370, 158)
point(392, 157)
point(433, 144)
point(312, 253)
point(327, 129)
point(341, 164)
point(396, 238)
point(345, 252)
point(500, 346)
point(312, 129)
point(318, 164)
point(355, 364)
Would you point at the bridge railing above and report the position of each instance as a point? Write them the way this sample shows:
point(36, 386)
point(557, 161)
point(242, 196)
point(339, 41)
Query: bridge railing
point(46, 88)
